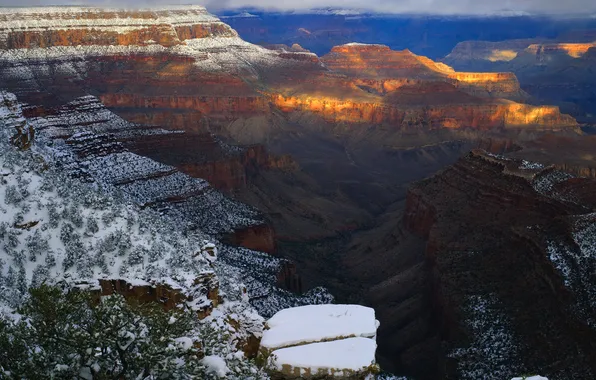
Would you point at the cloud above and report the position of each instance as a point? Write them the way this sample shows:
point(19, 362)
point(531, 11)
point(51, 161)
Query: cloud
point(392, 6)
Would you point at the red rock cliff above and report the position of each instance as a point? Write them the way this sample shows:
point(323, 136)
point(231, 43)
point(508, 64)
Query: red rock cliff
point(69, 26)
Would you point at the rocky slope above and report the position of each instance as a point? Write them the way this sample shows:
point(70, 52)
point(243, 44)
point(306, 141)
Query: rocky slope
point(512, 272)
point(504, 51)
point(86, 140)
point(379, 62)
point(36, 27)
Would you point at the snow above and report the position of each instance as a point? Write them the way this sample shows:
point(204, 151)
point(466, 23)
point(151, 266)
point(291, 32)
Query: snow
point(362, 44)
point(492, 352)
point(575, 262)
point(545, 182)
point(138, 246)
point(109, 20)
point(223, 50)
point(333, 358)
point(315, 323)
point(530, 378)
point(184, 342)
point(215, 365)
point(528, 165)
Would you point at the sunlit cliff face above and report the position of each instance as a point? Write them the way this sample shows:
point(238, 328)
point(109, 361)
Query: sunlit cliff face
point(575, 50)
point(481, 78)
point(499, 115)
point(501, 55)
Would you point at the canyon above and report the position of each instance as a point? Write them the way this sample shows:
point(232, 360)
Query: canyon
point(312, 158)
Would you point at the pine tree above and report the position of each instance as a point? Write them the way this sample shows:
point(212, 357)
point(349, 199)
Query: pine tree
point(50, 260)
point(11, 278)
point(40, 274)
point(137, 255)
point(74, 252)
point(108, 218)
point(22, 280)
point(75, 216)
point(123, 242)
point(157, 252)
point(54, 216)
point(92, 226)
point(62, 335)
point(67, 233)
point(12, 195)
point(12, 238)
point(37, 245)
point(3, 229)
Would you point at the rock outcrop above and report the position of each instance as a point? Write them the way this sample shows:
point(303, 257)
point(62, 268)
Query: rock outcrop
point(545, 51)
point(323, 341)
point(488, 50)
point(202, 297)
point(258, 237)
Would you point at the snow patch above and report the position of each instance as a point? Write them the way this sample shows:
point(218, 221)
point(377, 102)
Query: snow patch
point(215, 365)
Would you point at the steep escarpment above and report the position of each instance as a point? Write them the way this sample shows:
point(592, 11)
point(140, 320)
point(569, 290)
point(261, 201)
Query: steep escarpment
point(547, 50)
point(505, 245)
point(570, 153)
point(381, 86)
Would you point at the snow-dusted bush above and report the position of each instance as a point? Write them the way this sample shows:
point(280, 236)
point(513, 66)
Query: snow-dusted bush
point(64, 335)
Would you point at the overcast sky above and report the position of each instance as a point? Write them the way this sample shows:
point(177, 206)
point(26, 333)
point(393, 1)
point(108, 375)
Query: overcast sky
point(393, 6)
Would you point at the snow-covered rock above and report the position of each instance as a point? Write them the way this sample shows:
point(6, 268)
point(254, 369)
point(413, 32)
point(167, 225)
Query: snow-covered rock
point(530, 378)
point(321, 340)
point(318, 323)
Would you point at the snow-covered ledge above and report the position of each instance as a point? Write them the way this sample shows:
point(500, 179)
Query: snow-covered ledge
point(321, 340)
